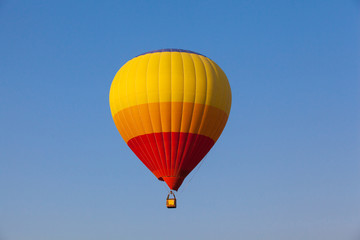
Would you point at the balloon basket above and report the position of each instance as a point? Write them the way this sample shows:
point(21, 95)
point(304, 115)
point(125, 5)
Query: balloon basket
point(171, 200)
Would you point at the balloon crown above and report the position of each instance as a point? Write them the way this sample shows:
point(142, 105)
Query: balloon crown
point(171, 50)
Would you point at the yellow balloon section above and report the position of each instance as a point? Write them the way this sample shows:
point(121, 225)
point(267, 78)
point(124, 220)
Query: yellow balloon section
point(170, 107)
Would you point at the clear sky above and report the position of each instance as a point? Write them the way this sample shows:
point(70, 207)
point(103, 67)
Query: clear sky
point(286, 167)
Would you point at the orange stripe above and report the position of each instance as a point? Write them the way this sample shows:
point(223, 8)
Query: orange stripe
point(170, 117)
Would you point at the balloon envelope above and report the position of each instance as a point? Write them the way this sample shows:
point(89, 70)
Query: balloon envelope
point(170, 106)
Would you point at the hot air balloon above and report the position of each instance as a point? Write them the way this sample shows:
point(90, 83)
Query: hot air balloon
point(170, 107)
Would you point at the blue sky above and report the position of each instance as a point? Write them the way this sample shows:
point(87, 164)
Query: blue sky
point(286, 167)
